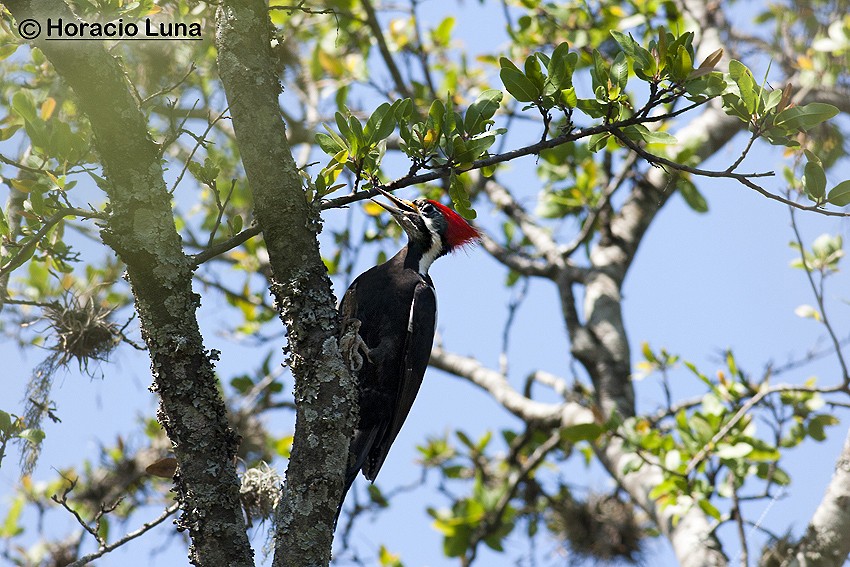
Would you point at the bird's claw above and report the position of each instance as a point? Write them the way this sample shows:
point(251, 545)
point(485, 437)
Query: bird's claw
point(352, 344)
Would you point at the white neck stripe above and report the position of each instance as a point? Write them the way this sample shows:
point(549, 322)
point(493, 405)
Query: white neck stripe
point(429, 256)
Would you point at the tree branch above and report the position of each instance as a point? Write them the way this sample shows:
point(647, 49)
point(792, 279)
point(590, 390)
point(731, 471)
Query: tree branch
point(140, 228)
point(825, 542)
point(530, 411)
point(106, 548)
point(377, 32)
point(325, 391)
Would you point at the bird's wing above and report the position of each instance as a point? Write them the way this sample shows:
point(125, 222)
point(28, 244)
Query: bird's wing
point(417, 351)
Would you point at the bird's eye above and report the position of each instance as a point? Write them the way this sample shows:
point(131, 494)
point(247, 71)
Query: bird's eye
point(426, 208)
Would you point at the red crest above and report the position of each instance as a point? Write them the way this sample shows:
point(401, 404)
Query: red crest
point(459, 232)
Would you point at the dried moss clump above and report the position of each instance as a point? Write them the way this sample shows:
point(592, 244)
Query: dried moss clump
point(83, 330)
point(602, 528)
point(260, 492)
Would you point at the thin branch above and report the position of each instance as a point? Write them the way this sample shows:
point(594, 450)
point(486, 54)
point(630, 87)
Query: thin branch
point(746, 150)
point(221, 208)
point(819, 298)
point(530, 411)
point(517, 260)
point(742, 178)
point(494, 519)
point(199, 141)
point(421, 52)
point(167, 90)
point(513, 306)
point(106, 548)
point(743, 410)
point(22, 167)
point(375, 26)
point(227, 245)
point(28, 243)
point(607, 193)
point(613, 129)
point(737, 514)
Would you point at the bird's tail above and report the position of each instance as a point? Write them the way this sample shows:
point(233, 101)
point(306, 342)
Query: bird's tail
point(358, 452)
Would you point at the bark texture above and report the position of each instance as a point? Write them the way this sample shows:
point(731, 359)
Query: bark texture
point(141, 230)
point(325, 393)
point(825, 543)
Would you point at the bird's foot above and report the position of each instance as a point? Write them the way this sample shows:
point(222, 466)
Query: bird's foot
point(352, 344)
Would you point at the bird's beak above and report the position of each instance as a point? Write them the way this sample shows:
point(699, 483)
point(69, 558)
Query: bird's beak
point(401, 209)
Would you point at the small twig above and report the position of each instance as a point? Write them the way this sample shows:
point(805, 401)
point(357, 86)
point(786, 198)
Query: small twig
point(227, 245)
point(27, 243)
point(607, 193)
point(819, 298)
point(375, 26)
point(737, 514)
point(199, 141)
point(742, 178)
point(21, 166)
point(708, 447)
point(107, 547)
point(753, 138)
point(493, 519)
point(513, 306)
point(742, 411)
point(171, 88)
point(221, 208)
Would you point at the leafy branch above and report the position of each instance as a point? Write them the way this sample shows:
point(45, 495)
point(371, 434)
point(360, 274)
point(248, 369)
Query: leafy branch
point(446, 144)
point(27, 246)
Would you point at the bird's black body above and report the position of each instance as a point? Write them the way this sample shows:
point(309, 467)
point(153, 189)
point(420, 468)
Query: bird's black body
point(397, 309)
point(396, 305)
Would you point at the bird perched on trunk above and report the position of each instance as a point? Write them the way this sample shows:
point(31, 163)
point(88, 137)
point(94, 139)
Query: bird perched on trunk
point(396, 306)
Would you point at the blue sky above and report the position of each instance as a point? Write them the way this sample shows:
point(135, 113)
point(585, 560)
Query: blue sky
point(700, 284)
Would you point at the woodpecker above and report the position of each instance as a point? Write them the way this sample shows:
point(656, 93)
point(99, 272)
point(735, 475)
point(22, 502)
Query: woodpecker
point(396, 306)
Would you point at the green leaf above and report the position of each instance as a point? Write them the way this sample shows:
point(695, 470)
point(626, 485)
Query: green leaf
point(569, 98)
point(357, 139)
point(598, 141)
point(805, 117)
point(814, 181)
point(561, 66)
point(10, 527)
point(534, 72)
point(840, 194)
point(582, 432)
point(342, 126)
point(620, 71)
point(23, 106)
point(709, 508)
point(642, 60)
point(34, 436)
point(4, 226)
point(480, 112)
point(328, 144)
point(443, 33)
point(591, 107)
point(639, 132)
point(5, 423)
point(520, 86)
point(683, 64)
point(380, 125)
point(599, 72)
point(692, 196)
point(475, 147)
point(743, 77)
